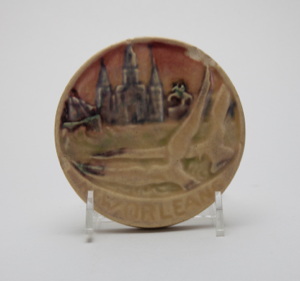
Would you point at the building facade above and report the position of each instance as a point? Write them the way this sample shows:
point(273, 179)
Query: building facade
point(132, 102)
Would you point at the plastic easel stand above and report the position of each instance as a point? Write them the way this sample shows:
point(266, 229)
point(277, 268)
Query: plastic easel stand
point(213, 213)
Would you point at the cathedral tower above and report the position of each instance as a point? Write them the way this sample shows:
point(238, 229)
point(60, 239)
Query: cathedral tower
point(131, 95)
point(156, 104)
point(104, 99)
point(130, 67)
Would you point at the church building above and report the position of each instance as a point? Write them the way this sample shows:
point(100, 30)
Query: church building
point(131, 102)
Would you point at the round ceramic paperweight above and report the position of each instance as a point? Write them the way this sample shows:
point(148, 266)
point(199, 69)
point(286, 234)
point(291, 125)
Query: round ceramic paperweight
point(154, 127)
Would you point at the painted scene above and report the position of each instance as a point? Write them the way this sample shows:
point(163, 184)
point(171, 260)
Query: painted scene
point(149, 120)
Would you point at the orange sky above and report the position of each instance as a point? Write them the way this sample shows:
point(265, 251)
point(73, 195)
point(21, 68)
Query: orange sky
point(172, 64)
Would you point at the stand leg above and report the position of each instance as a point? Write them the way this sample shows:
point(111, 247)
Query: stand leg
point(219, 220)
point(89, 221)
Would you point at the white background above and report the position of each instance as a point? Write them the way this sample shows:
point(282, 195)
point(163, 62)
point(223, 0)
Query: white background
point(43, 43)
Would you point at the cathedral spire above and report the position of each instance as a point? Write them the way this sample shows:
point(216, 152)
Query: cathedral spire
point(103, 80)
point(130, 58)
point(103, 96)
point(156, 103)
point(130, 67)
point(154, 80)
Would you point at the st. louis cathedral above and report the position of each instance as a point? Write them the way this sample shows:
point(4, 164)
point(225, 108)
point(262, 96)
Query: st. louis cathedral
point(131, 102)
